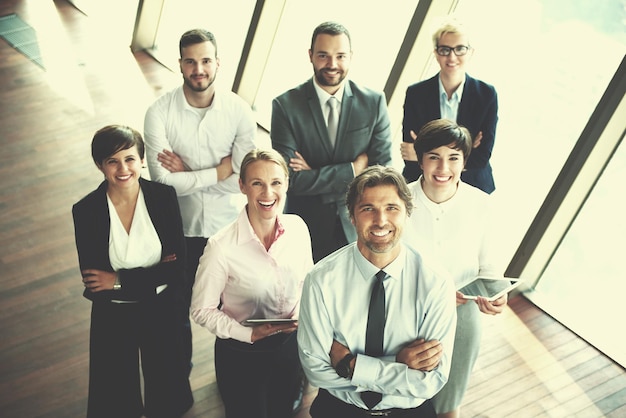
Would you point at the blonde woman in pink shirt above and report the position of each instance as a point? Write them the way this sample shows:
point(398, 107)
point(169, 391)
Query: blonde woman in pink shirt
point(251, 270)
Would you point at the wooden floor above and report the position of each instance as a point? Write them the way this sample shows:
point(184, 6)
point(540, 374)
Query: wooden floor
point(530, 366)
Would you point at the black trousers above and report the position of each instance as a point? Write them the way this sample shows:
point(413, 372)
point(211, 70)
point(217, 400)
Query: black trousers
point(195, 248)
point(326, 405)
point(325, 242)
point(259, 380)
point(119, 335)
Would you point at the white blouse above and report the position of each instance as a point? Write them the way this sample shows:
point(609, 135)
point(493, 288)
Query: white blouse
point(458, 235)
point(141, 247)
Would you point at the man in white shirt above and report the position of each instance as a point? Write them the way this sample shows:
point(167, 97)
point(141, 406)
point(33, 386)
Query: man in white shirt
point(196, 137)
point(337, 332)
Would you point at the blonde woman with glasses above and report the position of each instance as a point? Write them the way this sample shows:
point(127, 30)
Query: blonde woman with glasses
point(452, 94)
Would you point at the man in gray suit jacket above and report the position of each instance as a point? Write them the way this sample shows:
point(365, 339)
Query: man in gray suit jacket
point(326, 146)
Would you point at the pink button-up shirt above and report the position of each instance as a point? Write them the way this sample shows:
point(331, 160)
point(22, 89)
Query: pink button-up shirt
point(250, 281)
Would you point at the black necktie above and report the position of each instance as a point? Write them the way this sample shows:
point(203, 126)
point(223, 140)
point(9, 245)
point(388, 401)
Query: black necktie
point(375, 332)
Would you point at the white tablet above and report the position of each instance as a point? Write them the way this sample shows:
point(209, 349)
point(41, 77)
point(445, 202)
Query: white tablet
point(489, 288)
point(273, 321)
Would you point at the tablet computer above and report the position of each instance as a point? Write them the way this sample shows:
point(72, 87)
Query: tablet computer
point(273, 321)
point(489, 288)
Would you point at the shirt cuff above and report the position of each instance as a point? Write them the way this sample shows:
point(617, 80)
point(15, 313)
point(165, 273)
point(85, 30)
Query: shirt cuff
point(206, 177)
point(365, 372)
point(241, 333)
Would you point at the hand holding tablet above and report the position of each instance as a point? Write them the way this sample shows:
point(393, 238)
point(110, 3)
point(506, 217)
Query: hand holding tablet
point(489, 288)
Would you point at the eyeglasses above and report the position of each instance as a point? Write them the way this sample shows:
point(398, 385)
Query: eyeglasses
point(459, 50)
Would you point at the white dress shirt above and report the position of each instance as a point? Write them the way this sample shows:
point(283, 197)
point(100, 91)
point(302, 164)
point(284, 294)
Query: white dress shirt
point(140, 247)
point(323, 97)
point(202, 140)
point(420, 303)
point(250, 281)
point(458, 234)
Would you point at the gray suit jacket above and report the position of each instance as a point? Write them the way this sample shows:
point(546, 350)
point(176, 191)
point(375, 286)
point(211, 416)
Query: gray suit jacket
point(298, 125)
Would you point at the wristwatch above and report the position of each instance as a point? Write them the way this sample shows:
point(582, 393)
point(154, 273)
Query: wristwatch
point(343, 367)
point(117, 285)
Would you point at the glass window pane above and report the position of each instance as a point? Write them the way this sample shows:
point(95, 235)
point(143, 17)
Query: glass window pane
point(584, 283)
point(376, 32)
point(550, 61)
point(217, 17)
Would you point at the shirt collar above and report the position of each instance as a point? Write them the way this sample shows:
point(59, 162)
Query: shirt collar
point(280, 229)
point(368, 270)
point(246, 232)
point(433, 207)
point(458, 93)
point(216, 104)
point(323, 95)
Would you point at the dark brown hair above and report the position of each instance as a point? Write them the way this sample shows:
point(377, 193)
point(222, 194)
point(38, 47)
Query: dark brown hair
point(442, 132)
point(330, 28)
point(196, 36)
point(113, 138)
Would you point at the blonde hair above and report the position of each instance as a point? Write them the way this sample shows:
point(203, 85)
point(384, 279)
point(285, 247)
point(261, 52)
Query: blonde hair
point(448, 24)
point(262, 155)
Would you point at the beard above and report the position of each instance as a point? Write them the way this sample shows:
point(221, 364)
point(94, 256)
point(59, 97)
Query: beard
point(382, 247)
point(199, 86)
point(323, 81)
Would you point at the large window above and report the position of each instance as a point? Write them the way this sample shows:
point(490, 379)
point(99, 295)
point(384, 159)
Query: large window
point(584, 283)
point(550, 61)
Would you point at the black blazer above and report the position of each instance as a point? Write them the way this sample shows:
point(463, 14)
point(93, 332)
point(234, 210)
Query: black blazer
point(478, 111)
point(298, 125)
point(91, 229)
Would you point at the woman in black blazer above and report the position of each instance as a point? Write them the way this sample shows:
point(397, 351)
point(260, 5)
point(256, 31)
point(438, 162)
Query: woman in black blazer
point(131, 252)
point(453, 94)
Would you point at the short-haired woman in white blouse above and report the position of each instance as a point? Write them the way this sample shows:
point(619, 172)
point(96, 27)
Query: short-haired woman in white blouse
point(254, 268)
point(131, 251)
point(452, 225)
